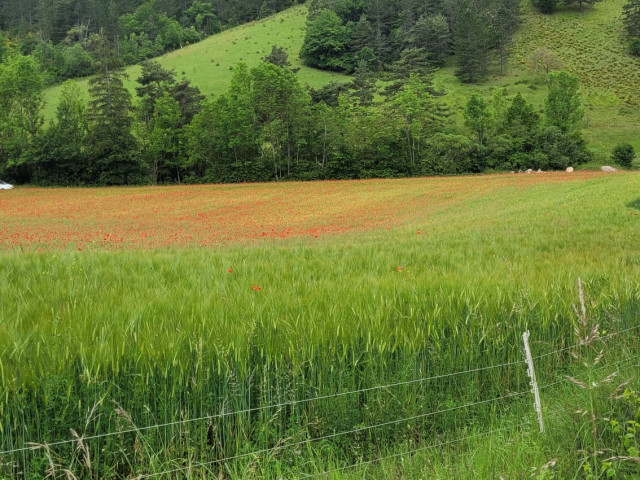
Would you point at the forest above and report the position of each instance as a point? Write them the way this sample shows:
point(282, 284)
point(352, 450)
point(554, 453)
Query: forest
point(388, 121)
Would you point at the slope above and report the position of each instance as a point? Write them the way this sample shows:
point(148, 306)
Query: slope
point(590, 45)
point(209, 64)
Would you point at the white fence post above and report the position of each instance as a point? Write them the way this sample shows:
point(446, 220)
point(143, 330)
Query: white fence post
point(534, 383)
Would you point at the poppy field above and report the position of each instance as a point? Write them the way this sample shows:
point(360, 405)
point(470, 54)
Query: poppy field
point(123, 308)
point(209, 216)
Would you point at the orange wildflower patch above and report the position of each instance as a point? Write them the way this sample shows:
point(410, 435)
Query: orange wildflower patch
point(209, 215)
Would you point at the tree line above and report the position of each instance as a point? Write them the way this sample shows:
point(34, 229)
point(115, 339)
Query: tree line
point(64, 35)
point(268, 126)
point(377, 35)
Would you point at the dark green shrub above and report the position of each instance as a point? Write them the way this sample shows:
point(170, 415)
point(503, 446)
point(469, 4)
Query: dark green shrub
point(545, 6)
point(623, 155)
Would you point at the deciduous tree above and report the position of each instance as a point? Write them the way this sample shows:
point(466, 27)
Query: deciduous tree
point(326, 42)
point(21, 101)
point(477, 116)
point(61, 149)
point(581, 3)
point(544, 61)
point(562, 105)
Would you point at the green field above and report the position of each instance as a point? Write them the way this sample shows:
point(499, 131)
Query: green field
point(102, 340)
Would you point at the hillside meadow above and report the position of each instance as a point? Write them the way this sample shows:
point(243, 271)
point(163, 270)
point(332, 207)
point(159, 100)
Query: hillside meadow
point(590, 45)
point(209, 64)
point(125, 308)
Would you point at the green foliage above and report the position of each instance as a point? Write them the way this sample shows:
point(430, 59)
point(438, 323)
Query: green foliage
point(521, 119)
point(432, 33)
point(21, 100)
point(325, 42)
point(416, 115)
point(631, 18)
point(623, 155)
point(473, 38)
point(507, 19)
point(450, 154)
point(559, 150)
point(278, 56)
point(154, 82)
point(222, 141)
point(582, 2)
point(164, 32)
point(200, 15)
point(545, 6)
point(279, 102)
point(562, 105)
point(4, 47)
point(60, 149)
point(110, 143)
point(164, 151)
point(77, 62)
point(477, 116)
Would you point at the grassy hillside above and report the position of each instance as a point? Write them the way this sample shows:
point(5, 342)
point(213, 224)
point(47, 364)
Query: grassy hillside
point(590, 45)
point(208, 64)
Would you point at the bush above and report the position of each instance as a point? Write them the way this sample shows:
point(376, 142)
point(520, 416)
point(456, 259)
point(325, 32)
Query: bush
point(623, 155)
point(451, 154)
point(545, 6)
point(561, 149)
point(634, 47)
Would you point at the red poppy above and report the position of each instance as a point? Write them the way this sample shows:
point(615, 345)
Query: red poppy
point(230, 270)
point(256, 288)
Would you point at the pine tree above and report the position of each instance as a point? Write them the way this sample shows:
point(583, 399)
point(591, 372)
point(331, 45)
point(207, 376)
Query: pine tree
point(111, 145)
point(506, 17)
point(631, 18)
point(473, 36)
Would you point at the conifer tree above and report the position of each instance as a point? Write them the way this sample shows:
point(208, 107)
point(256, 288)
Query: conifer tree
point(111, 145)
point(631, 18)
point(473, 35)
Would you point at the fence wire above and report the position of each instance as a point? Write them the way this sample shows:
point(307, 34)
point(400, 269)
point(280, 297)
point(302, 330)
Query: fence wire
point(37, 445)
point(325, 437)
point(582, 344)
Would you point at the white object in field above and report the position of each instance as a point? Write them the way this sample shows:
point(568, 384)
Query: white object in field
point(5, 186)
point(534, 383)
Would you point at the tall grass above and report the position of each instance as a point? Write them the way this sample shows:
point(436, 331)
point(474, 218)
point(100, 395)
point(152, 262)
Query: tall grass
point(135, 338)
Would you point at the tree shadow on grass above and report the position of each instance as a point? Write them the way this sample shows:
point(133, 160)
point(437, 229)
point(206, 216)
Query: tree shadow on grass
point(634, 204)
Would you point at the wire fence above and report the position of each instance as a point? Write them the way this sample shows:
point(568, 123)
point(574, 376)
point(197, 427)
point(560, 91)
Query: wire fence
point(330, 436)
point(36, 445)
point(353, 431)
point(582, 344)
